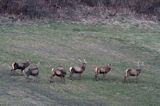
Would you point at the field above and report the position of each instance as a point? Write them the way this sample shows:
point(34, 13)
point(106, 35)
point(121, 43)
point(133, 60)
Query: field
point(52, 44)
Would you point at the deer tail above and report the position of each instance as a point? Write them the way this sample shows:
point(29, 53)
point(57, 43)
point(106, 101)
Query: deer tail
point(96, 70)
point(70, 69)
point(126, 72)
point(52, 70)
point(13, 65)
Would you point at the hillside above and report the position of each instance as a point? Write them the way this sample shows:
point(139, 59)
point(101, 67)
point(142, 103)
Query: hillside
point(49, 44)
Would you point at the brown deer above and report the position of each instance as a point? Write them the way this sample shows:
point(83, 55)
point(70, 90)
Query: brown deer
point(32, 71)
point(59, 72)
point(102, 70)
point(20, 66)
point(133, 72)
point(78, 69)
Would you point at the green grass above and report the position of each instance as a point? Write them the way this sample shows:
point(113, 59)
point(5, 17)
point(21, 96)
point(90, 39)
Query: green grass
point(55, 43)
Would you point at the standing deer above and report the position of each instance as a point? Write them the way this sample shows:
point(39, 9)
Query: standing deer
point(78, 69)
point(133, 72)
point(20, 66)
point(102, 70)
point(59, 72)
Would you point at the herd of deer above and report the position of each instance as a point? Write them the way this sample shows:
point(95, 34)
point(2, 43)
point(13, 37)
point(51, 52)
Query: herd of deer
point(60, 71)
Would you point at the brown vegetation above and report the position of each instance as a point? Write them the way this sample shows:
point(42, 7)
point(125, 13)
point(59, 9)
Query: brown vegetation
point(74, 8)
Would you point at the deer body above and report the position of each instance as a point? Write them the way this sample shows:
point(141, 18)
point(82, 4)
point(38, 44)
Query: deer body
point(20, 66)
point(59, 72)
point(102, 70)
point(133, 72)
point(78, 69)
point(32, 71)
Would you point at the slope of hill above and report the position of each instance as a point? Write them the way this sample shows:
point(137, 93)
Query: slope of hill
point(62, 43)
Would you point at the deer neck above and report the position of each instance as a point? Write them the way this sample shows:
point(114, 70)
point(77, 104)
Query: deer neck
point(83, 67)
point(139, 70)
point(27, 64)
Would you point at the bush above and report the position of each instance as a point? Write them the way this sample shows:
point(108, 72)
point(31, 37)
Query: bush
point(35, 9)
point(42, 8)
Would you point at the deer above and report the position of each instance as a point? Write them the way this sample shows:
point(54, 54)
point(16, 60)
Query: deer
point(78, 69)
point(59, 72)
point(102, 70)
point(134, 72)
point(32, 71)
point(20, 66)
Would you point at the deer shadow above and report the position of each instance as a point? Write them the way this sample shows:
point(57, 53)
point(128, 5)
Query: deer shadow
point(16, 74)
point(58, 80)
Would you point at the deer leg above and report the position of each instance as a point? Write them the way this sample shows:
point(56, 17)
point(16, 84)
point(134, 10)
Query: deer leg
point(12, 71)
point(96, 77)
point(136, 79)
point(50, 80)
point(80, 76)
point(27, 77)
point(71, 75)
point(125, 78)
point(36, 78)
point(63, 79)
point(21, 70)
point(104, 76)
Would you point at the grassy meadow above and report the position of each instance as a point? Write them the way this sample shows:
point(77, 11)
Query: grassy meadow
point(62, 43)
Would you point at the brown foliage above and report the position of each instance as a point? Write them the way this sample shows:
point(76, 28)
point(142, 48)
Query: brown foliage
point(45, 8)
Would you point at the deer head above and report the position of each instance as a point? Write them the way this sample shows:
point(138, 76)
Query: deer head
point(140, 64)
point(83, 64)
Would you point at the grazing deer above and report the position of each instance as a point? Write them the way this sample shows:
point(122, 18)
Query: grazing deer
point(32, 71)
point(78, 69)
point(59, 72)
point(134, 72)
point(20, 66)
point(102, 70)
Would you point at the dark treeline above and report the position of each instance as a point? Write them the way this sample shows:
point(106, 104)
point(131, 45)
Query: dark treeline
point(51, 8)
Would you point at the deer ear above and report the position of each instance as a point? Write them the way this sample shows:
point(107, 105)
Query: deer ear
point(142, 63)
point(138, 63)
point(52, 69)
point(84, 60)
point(29, 61)
point(80, 60)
